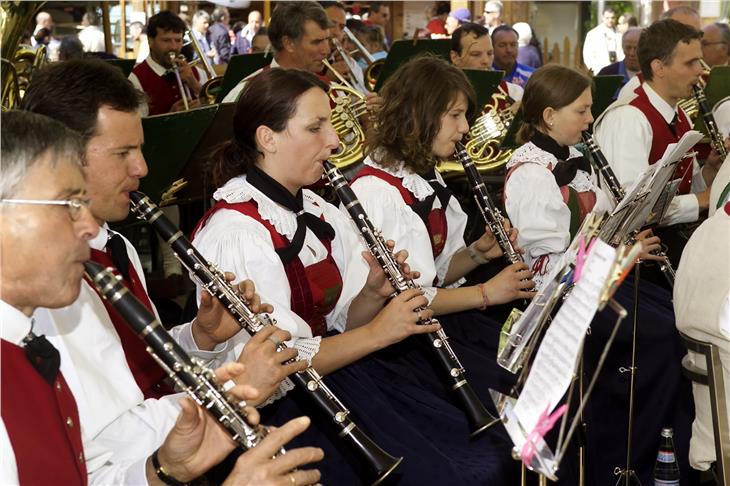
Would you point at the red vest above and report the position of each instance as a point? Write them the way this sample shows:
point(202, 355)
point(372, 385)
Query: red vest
point(147, 373)
point(315, 289)
point(42, 423)
point(436, 222)
point(662, 136)
point(162, 92)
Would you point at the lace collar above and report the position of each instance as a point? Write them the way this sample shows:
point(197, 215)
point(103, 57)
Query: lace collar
point(417, 185)
point(239, 190)
point(531, 153)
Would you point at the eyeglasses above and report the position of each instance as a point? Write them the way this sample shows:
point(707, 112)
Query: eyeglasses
point(74, 205)
point(490, 12)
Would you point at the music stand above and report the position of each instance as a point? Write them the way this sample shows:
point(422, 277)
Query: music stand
point(605, 92)
point(124, 65)
point(485, 83)
point(403, 50)
point(240, 66)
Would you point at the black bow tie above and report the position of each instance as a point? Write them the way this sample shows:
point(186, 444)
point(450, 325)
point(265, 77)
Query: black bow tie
point(673, 125)
point(42, 356)
point(118, 250)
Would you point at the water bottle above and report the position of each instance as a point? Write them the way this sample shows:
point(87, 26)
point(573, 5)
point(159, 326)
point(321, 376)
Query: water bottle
point(666, 469)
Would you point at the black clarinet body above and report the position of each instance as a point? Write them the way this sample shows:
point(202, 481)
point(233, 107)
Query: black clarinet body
point(617, 192)
point(188, 373)
point(492, 216)
point(714, 133)
point(378, 463)
point(478, 417)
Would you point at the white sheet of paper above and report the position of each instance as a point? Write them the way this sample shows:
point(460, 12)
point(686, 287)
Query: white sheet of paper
point(552, 370)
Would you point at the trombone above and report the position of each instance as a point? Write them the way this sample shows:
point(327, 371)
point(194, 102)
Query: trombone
point(184, 92)
point(373, 70)
point(214, 80)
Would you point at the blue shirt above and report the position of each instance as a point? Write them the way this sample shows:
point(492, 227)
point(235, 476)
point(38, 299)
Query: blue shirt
point(519, 74)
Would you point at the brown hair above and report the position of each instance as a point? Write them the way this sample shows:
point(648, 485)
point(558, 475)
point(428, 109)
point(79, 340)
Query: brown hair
point(268, 99)
point(551, 86)
point(415, 98)
point(659, 40)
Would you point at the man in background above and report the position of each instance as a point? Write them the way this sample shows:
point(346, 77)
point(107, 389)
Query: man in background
point(603, 43)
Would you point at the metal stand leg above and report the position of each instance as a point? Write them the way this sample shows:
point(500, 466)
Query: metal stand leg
point(628, 475)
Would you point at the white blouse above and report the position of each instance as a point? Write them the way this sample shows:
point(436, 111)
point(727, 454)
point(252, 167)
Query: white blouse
point(242, 245)
point(535, 204)
point(398, 222)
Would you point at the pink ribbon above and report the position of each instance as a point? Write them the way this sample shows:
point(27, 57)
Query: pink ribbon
point(544, 424)
point(581, 258)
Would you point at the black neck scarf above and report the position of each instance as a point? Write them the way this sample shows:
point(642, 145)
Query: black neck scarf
point(294, 203)
point(423, 208)
point(567, 167)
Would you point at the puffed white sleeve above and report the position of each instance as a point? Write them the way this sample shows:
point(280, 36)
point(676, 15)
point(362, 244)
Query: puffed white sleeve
point(241, 245)
point(347, 251)
point(536, 208)
point(391, 215)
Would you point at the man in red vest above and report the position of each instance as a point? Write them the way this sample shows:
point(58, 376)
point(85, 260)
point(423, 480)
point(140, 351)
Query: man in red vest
point(114, 380)
point(44, 205)
point(155, 75)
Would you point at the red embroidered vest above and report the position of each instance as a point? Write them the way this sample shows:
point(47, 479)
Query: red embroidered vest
point(436, 222)
point(42, 423)
point(147, 373)
point(662, 136)
point(314, 289)
point(162, 91)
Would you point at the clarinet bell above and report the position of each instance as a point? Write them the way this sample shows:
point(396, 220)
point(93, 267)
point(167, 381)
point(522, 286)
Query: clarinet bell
point(477, 415)
point(379, 463)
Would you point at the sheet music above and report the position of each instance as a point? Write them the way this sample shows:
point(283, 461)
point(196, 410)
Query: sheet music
point(552, 370)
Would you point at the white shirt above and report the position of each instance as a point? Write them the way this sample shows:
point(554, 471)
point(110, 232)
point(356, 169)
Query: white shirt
point(514, 91)
point(235, 93)
point(15, 326)
point(160, 71)
point(389, 213)
point(722, 179)
point(119, 428)
point(242, 245)
point(92, 37)
point(535, 205)
point(702, 308)
point(625, 135)
point(599, 42)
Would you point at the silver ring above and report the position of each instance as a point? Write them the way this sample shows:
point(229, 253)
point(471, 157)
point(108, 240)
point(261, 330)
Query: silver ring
point(274, 340)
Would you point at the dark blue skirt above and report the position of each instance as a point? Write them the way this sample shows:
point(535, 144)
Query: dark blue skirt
point(663, 396)
point(408, 412)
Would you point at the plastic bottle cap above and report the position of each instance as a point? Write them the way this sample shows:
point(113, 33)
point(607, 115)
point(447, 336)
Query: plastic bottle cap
point(667, 432)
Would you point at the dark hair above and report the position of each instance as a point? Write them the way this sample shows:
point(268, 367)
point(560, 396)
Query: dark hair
point(166, 21)
point(288, 20)
point(659, 40)
point(269, 99)
point(41, 34)
point(72, 92)
point(724, 31)
point(504, 28)
point(409, 119)
point(218, 14)
point(356, 25)
point(262, 31)
point(375, 6)
point(551, 86)
point(238, 26)
point(466, 28)
point(443, 8)
point(70, 48)
point(609, 10)
point(25, 138)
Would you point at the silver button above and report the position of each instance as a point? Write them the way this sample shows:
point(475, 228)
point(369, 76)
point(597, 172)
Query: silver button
point(69, 422)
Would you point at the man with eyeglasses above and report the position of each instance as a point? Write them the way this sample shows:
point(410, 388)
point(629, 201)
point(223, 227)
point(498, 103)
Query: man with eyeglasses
point(44, 209)
point(117, 382)
point(492, 15)
point(716, 44)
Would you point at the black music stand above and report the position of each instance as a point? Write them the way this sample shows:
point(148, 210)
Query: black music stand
point(239, 67)
point(124, 65)
point(485, 83)
point(403, 50)
point(605, 92)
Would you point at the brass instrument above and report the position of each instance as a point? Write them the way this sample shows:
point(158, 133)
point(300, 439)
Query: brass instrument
point(18, 62)
point(189, 373)
point(485, 136)
point(214, 81)
point(477, 416)
point(349, 106)
point(373, 70)
point(184, 92)
point(378, 462)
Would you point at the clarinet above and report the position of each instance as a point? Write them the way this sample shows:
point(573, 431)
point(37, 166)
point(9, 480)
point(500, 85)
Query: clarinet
point(378, 463)
point(477, 416)
point(714, 133)
point(492, 216)
point(617, 193)
point(188, 373)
